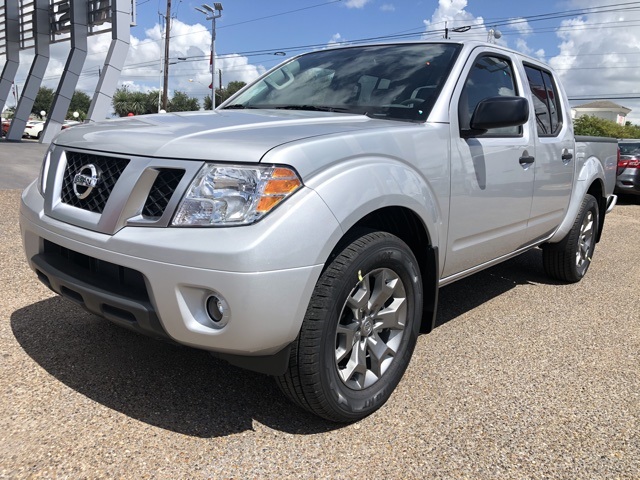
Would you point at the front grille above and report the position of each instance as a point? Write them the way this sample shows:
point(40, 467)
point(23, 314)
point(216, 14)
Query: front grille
point(109, 170)
point(162, 191)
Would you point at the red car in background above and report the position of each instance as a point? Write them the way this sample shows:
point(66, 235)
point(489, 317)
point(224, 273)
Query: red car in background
point(628, 180)
point(5, 127)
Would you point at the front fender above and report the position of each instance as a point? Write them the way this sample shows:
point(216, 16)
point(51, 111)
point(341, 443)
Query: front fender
point(401, 165)
point(357, 187)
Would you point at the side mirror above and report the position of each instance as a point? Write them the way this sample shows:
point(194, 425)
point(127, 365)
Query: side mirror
point(498, 112)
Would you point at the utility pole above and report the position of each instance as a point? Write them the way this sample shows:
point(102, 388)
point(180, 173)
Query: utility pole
point(212, 13)
point(165, 86)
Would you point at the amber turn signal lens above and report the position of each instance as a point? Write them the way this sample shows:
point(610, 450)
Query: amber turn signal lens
point(281, 187)
point(281, 172)
point(267, 203)
point(281, 183)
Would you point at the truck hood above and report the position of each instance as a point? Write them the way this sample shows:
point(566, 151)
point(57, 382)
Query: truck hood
point(224, 135)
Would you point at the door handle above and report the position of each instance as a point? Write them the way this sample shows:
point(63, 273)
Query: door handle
point(566, 156)
point(527, 160)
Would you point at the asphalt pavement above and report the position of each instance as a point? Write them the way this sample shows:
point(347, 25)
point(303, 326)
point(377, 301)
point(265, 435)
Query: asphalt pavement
point(20, 162)
point(523, 378)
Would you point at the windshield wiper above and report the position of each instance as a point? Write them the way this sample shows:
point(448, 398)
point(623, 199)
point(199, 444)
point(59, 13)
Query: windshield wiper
point(313, 108)
point(237, 106)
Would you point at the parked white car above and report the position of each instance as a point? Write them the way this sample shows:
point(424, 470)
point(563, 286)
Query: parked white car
point(33, 129)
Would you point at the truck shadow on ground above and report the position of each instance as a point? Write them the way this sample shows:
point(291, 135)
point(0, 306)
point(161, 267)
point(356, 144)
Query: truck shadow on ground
point(186, 390)
point(471, 292)
point(168, 386)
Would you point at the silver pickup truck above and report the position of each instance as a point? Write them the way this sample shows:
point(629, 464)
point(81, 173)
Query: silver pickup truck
point(303, 229)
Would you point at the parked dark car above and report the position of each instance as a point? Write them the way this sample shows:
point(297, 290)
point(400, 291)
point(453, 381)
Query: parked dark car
point(628, 179)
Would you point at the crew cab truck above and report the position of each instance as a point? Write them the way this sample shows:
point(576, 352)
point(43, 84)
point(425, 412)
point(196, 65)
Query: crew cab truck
point(303, 229)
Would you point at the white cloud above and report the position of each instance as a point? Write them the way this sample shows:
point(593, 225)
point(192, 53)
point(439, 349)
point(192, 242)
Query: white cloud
point(356, 3)
point(453, 14)
point(388, 7)
point(600, 56)
point(335, 38)
point(190, 42)
point(521, 26)
point(142, 70)
point(521, 46)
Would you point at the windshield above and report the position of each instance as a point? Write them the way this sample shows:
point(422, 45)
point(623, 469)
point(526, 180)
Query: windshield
point(389, 81)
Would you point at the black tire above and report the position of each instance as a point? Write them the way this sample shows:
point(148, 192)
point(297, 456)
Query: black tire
point(317, 379)
point(569, 259)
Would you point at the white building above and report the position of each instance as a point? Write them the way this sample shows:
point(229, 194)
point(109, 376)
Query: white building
point(602, 109)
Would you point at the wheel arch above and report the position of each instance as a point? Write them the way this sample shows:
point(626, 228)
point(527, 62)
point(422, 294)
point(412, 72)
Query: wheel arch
point(596, 190)
point(589, 181)
point(407, 225)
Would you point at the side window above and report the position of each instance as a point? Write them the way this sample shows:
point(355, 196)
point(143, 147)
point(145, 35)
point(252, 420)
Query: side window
point(489, 77)
point(545, 100)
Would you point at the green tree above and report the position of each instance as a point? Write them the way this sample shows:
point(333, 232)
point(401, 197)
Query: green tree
point(630, 131)
point(181, 102)
point(232, 88)
point(153, 101)
point(43, 102)
point(599, 127)
point(223, 94)
point(80, 102)
point(207, 102)
point(139, 103)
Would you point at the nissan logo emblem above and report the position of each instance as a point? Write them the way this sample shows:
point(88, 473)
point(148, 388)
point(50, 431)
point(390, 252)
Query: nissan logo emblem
point(87, 178)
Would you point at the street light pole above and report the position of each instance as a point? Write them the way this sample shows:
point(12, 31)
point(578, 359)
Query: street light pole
point(211, 14)
point(165, 84)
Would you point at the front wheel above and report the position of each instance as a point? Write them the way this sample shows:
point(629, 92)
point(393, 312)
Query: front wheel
point(359, 330)
point(569, 259)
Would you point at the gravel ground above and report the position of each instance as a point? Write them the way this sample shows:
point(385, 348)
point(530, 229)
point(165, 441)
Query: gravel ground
point(523, 378)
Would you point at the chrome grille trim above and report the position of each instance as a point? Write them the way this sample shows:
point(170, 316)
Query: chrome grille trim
point(145, 192)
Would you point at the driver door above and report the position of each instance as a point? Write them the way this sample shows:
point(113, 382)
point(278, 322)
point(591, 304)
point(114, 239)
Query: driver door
point(492, 174)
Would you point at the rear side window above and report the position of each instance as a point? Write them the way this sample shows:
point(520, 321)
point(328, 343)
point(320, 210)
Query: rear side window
point(490, 76)
point(545, 101)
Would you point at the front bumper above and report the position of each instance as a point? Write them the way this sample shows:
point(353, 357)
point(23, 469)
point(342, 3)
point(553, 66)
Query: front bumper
point(157, 280)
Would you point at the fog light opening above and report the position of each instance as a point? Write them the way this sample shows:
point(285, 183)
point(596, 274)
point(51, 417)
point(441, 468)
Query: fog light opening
point(218, 310)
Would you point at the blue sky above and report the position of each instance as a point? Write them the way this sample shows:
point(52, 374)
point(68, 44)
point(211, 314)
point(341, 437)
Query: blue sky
point(594, 47)
point(250, 25)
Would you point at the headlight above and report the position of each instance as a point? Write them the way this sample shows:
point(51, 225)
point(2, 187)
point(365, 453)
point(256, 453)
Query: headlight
point(222, 195)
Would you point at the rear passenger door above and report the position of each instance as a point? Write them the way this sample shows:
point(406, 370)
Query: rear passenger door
point(491, 174)
point(555, 163)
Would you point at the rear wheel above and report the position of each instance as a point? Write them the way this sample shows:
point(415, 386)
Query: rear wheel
point(359, 331)
point(569, 259)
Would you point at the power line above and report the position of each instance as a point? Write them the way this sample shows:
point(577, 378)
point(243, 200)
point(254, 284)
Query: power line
point(628, 6)
point(419, 31)
point(280, 14)
point(606, 97)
